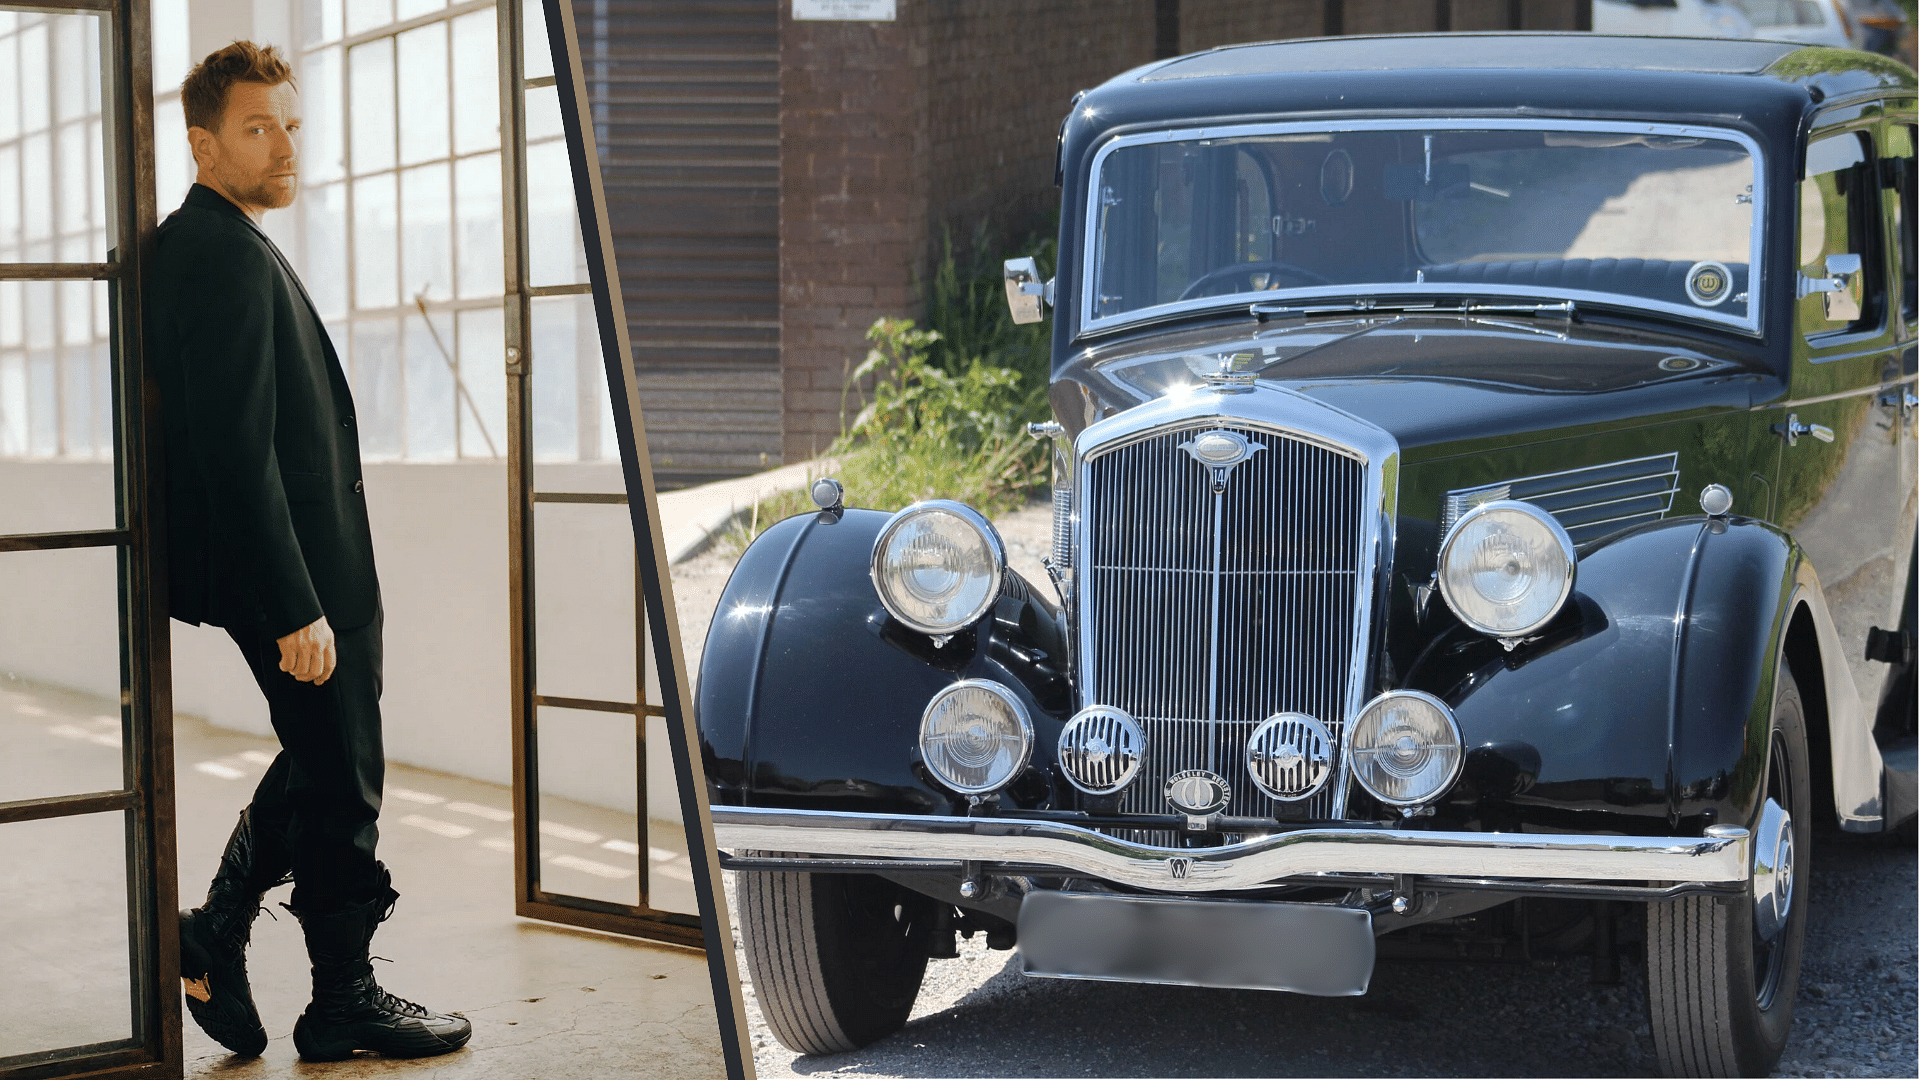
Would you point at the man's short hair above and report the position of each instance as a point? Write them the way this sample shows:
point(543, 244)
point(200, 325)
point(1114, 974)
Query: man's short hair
point(204, 94)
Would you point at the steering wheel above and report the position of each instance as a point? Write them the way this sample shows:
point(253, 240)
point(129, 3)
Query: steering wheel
point(1198, 287)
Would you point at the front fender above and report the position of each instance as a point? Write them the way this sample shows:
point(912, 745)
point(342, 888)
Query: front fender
point(1647, 703)
point(810, 694)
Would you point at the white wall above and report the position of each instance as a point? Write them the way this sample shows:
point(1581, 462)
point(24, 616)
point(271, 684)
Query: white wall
point(440, 541)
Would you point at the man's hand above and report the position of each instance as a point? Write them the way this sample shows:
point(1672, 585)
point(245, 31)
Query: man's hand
point(307, 653)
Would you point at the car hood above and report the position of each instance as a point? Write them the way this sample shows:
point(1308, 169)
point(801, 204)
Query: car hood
point(1434, 382)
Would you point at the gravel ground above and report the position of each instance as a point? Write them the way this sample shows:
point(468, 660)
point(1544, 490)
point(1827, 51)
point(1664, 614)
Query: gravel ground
point(978, 1016)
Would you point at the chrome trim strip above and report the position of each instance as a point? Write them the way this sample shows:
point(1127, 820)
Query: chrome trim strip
point(1723, 856)
point(1756, 267)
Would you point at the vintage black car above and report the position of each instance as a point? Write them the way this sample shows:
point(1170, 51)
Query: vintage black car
point(1484, 522)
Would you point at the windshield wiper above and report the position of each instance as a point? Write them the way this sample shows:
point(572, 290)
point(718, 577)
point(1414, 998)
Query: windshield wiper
point(1563, 309)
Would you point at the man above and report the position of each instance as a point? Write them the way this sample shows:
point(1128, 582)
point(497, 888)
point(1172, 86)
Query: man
point(267, 525)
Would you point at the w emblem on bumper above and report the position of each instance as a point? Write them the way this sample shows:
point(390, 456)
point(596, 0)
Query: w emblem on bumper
point(1178, 867)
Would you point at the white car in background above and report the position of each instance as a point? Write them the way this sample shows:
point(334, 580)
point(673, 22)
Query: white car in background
point(1806, 22)
point(1681, 18)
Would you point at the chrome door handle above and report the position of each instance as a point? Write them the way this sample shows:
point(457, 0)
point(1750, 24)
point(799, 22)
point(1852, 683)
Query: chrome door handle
point(1793, 429)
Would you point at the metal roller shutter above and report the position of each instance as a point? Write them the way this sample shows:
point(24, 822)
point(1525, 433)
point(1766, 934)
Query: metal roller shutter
point(686, 107)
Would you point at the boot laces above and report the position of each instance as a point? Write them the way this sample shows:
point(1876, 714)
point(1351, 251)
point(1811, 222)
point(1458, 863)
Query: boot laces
point(391, 1002)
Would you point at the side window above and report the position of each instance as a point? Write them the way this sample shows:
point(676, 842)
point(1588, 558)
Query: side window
point(1897, 173)
point(1839, 283)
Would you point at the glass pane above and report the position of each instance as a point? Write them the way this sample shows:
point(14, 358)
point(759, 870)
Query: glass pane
point(426, 215)
point(59, 672)
point(65, 950)
point(583, 601)
point(370, 104)
point(56, 419)
point(483, 416)
point(368, 14)
point(476, 83)
point(376, 253)
point(555, 254)
point(379, 394)
point(172, 54)
point(537, 55)
point(430, 395)
point(670, 871)
point(53, 185)
point(543, 114)
point(567, 381)
point(407, 9)
point(426, 118)
point(476, 187)
point(9, 81)
point(321, 22)
point(323, 144)
point(325, 272)
point(173, 167)
point(589, 821)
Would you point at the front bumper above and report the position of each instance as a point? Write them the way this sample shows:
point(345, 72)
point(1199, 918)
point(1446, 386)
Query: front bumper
point(1720, 861)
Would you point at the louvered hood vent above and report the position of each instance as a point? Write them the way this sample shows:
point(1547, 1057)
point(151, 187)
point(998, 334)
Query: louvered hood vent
point(1589, 503)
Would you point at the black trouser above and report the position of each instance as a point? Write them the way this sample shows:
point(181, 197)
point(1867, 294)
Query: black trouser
point(322, 793)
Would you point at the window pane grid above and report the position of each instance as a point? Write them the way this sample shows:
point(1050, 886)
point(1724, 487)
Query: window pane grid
point(402, 213)
point(55, 355)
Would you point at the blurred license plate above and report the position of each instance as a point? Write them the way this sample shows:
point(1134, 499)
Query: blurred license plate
point(1314, 949)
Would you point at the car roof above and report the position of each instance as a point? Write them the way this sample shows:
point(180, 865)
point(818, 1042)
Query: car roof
point(1487, 51)
point(1763, 84)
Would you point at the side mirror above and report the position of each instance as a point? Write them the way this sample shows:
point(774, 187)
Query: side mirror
point(1025, 290)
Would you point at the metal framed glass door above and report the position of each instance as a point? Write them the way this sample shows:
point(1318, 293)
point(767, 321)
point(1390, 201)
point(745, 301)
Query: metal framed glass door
point(599, 834)
point(88, 944)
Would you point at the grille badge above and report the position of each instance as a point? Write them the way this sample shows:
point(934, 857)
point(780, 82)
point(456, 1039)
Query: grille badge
point(1219, 451)
point(1199, 794)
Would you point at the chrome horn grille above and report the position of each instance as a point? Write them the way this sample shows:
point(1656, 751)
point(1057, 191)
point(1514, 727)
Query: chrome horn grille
point(1100, 749)
point(1210, 602)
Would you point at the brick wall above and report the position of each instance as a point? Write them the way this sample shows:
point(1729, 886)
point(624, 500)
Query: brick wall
point(853, 202)
point(890, 132)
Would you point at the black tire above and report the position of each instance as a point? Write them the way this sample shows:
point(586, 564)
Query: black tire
point(1721, 1000)
point(836, 959)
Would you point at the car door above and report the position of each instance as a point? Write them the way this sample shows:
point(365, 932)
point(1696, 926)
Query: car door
point(1842, 484)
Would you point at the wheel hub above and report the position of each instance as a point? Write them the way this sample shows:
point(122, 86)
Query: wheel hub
point(1772, 871)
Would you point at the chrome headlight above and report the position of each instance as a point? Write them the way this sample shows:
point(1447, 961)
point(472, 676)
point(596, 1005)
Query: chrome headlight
point(1406, 748)
point(1101, 749)
point(937, 566)
point(1506, 568)
point(975, 736)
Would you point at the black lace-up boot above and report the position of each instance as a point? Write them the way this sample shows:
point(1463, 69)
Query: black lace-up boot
point(214, 936)
point(350, 1011)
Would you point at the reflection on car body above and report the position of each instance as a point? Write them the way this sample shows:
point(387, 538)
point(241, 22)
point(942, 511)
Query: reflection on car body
point(1470, 521)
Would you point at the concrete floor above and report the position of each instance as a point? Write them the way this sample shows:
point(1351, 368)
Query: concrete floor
point(546, 1001)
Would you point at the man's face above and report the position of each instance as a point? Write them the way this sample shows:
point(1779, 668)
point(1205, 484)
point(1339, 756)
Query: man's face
point(252, 158)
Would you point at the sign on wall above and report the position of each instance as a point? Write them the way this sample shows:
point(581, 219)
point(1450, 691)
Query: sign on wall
point(844, 10)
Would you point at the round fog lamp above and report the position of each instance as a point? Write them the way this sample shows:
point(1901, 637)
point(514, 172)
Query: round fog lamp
point(975, 736)
point(1406, 748)
point(1506, 568)
point(937, 566)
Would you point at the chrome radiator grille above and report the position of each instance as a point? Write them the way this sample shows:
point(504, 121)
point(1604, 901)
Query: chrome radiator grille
point(1206, 612)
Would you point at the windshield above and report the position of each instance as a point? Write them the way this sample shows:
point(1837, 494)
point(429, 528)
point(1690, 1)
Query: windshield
point(1648, 217)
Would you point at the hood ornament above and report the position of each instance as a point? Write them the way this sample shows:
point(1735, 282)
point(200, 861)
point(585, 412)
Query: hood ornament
point(1219, 451)
point(1226, 373)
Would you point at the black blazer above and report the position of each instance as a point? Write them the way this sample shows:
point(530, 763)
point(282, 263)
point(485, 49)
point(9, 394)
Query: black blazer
point(266, 516)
